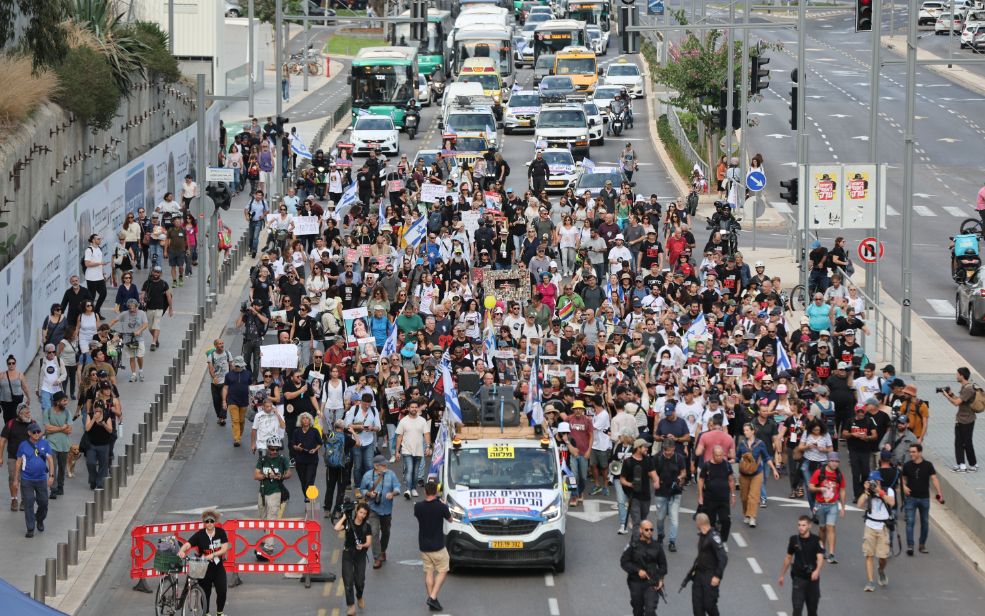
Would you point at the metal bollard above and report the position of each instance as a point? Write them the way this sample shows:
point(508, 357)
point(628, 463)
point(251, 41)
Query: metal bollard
point(90, 519)
point(128, 454)
point(61, 571)
point(137, 449)
point(99, 494)
point(113, 487)
point(123, 478)
point(50, 575)
point(73, 546)
point(149, 422)
point(39, 586)
point(144, 433)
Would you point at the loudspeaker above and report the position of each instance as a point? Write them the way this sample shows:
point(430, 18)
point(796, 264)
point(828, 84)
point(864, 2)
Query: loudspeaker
point(469, 382)
point(470, 409)
point(491, 405)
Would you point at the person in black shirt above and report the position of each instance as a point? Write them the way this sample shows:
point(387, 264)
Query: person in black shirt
point(708, 568)
point(917, 475)
point(806, 555)
point(651, 251)
point(858, 435)
point(645, 565)
point(818, 257)
point(298, 399)
point(358, 539)
point(716, 491)
point(431, 514)
point(636, 469)
point(212, 543)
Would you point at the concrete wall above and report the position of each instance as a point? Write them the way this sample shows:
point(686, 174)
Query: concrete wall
point(53, 159)
point(198, 30)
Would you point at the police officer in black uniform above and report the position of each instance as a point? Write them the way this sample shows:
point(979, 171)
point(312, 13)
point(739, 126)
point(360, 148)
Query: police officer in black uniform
point(708, 568)
point(645, 565)
point(539, 173)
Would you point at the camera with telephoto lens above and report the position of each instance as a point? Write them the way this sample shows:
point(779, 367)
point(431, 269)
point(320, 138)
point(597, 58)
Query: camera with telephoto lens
point(347, 506)
point(942, 390)
point(244, 307)
point(870, 488)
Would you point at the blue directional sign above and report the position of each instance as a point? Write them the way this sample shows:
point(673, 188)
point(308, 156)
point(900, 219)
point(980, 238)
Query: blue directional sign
point(756, 180)
point(655, 7)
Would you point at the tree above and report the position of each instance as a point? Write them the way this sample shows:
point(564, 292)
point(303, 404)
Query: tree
point(44, 38)
point(265, 10)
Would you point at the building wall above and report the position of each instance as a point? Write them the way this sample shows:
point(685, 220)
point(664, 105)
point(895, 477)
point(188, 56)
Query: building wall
point(198, 27)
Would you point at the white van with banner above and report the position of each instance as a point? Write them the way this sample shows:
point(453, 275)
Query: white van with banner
point(507, 497)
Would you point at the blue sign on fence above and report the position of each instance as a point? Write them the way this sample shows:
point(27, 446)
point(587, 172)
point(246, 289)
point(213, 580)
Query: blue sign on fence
point(655, 7)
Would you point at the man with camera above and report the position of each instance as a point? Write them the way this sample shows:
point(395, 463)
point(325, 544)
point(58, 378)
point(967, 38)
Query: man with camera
point(271, 471)
point(671, 471)
point(806, 555)
point(254, 323)
point(964, 421)
point(380, 485)
point(645, 565)
point(878, 504)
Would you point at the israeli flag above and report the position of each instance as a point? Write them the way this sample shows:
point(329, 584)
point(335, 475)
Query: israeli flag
point(438, 452)
point(416, 232)
point(448, 385)
point(298, 147)
point(782, 360)
point(362, 112)
point(699, 327)
point(348, 199)
point(489, 341)
point(534, 407)
point(587, 164)
point(390, 346)
point(516, 87)
point(382, 213)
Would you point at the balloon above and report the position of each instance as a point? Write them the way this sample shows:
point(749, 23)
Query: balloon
point(489, 302)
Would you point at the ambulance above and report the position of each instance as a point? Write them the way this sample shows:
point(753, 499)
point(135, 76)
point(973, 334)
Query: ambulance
point(507, 496)
point(484, 72)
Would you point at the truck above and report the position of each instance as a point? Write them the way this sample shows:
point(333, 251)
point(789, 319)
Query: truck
point(508, 498)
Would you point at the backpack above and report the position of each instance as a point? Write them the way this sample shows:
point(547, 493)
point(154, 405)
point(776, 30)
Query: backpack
point(977, 403)
point(748, 465)
point(335, 454)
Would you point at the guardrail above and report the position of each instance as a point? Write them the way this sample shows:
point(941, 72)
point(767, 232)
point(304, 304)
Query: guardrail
point(685, 143)
point(886, 338)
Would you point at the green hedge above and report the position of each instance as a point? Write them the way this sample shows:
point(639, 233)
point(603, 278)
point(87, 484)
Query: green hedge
point(680, 160)
point(88, 87)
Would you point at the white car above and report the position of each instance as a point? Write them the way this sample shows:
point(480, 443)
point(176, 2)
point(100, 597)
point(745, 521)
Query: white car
point(523, 52)
point(596, 123)
point(233, 8)
point(375, 132)
point(929, 12)
point(945, 23)
point(564, 170)
point(424, 93)
point(626, 74)
point(604, 95)
point(521, 111)
point(594, 179)
point(599, 39)
point(563, 125)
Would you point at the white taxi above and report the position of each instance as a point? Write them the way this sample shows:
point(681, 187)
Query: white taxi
point(625, 73)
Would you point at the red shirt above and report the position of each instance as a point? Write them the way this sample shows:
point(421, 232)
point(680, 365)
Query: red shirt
point(832, 487)
point(581, 429)
point(675, 246)
point(713, 438)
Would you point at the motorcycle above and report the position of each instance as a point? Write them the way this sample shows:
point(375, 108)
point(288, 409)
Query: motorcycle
point(728, 225)
point(617, 120)
point(411, 120)
point(965, 260)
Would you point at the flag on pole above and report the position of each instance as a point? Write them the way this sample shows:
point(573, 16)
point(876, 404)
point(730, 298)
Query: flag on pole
point(699, 327)
point(566, 312)
point(382, 213)
point(489, 338)
point(448, 385)
point(438, 451)
point(298, 147)
point(346, 201)
point(587, 164)
point(782, 360)
point(390, 345)
point(534, 408)
point(416, 232)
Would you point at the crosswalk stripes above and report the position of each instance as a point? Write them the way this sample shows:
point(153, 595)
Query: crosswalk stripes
point(941, 307)
point(954, 211)
point(923, 210)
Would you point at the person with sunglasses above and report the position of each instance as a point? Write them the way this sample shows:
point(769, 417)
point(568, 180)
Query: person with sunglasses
point(212, 543)
point(645, 565)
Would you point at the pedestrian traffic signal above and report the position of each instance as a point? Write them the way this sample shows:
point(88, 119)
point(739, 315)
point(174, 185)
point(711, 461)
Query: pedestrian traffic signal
point(863, 15)
point(723, 123)
point(759, 77)
point(793, 100)
point(792, 186)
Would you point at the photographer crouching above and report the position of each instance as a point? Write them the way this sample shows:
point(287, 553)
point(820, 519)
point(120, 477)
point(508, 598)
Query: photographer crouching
point(968, 403)
point(878, 503)
point(645, 565)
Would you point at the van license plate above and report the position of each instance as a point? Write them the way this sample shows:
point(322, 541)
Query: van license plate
point(506, 545)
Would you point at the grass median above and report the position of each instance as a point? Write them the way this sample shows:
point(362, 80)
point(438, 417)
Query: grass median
point(339, 44)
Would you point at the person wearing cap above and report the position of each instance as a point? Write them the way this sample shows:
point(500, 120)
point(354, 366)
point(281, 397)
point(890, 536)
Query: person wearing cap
point(57, 422)
point(619, 254)
point(380, 486)
point(827, 485)
point(878, 503)
point(579, 445)
point(917, 411)
point(897, 440)
point(155, 295)
point(859, 435)
point(639, 478)
point(819, 314)
point(33, 477)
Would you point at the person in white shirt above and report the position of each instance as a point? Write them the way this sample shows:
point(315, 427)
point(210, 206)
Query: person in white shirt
point(168, 207)
point(413, 443)
point(867, 385)
point(673, 347)
point(598, 461)
point(691, 410)
point(95, 278)
point(618, 254)
point(876, 501)
point(189, 190)
point(292, 201)
point(514, 320)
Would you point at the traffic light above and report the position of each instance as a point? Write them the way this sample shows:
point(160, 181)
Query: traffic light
point(792, 186)
point(863, 15)
point(419, 10)
point(279, 124)
point(793, 100)
point(759, 76)
point(629, 41)
point(723, 110)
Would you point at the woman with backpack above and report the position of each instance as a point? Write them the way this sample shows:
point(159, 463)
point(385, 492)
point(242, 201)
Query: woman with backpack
point(337, 453)
point(753, 457)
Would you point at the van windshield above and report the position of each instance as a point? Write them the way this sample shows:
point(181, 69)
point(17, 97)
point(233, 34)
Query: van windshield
point(528, 467)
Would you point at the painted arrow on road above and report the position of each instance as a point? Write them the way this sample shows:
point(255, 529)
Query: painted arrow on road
point(796, 502)
point(949, 140)
point(777, 135)
point(592, 511)
point(861, 137)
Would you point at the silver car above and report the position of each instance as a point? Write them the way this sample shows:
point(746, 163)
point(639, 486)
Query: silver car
point(969, 304)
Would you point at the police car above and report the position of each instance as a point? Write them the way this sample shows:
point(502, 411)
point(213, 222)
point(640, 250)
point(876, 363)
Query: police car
point(625, 73)
point(375, 132)
point(563, 125)
point(564, 170)
point(521, 111)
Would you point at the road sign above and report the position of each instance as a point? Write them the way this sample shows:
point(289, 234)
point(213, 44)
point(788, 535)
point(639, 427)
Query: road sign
point(723, 143)
point(219, 174)
point(756, 180)
point(655, 7)
point(870, 250)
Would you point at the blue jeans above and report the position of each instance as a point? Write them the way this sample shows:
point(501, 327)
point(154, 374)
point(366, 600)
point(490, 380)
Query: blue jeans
point(46, 401)
point(914, 505)
point(620, 500)
point(256, 226)
point(97, 461)
point(762, 488)
point(412, 464)
point(667, 508)
point(362, 461)
point(237, 179)
point(285, 89)
point(817, 282)
point(34, 492)
point(579, 466)
point(156, 254)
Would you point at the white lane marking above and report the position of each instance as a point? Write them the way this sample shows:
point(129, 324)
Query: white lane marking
point(754, 564)
point(739, 540)
point(770, 593)
point(548, 579)
point(954, 211)
point(923, 210)
point(891, 211)
point(552, 606)
point(781, 207)
point(942, 307)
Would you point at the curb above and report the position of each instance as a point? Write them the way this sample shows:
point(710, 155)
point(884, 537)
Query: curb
point(958, 75)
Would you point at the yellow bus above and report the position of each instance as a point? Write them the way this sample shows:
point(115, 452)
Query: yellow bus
point(578, 63)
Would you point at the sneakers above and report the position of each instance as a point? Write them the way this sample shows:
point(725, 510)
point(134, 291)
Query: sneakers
point(407, 494)
point(595, 491)
point(29, 534)
point(393, 459)
point(40, 526)
point(870, 587)
point(13, 504)
point(959, 468)
point(361, 603)
point(433, 605)
point(909, 551)
point(140, 376)
point(762, 503)
point(752, 522)
point(883, 578)
point(622, 530)
point(832, 560)
point(923, 549)
point(672, 546)
point(745, 520)
point(414, 493)
point(133, 378)
point(377, 563)
point(973, 468)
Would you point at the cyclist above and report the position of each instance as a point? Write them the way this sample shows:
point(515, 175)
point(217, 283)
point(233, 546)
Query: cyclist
point(211, 543)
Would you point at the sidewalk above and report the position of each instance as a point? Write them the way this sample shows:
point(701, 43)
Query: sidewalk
point(23, 558)
point(896, 44)
point(265, 101)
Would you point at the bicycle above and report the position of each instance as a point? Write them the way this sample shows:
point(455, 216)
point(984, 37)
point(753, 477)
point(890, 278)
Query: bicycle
point(971, 226)
point(191, 602)
point(796, 299)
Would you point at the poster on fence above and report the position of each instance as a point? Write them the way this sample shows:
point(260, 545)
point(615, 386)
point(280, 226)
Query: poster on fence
point(279, 356)
point(305, 225)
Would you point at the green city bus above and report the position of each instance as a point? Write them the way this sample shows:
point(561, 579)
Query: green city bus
point(430, 56)
point(384, 80)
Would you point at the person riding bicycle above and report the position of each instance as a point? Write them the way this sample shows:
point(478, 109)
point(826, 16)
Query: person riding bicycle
point(212, 543)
